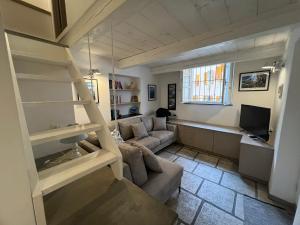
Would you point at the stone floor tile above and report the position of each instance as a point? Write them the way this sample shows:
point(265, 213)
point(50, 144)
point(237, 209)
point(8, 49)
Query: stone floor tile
point(190, 182)
point(208, 172)
point(185, 204)
point(210, 215)
point(187, 164)
point(239, 184)
point(207, 159)
point(187, 153)
point(217, 195)
point(227, 165)
point(167, 155)
point(173, 148)
point(239, 207)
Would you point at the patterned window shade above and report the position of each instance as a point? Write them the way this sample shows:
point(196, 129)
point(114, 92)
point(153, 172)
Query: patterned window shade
point(207, 84)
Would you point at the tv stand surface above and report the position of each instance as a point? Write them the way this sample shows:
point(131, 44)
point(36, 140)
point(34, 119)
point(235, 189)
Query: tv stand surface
point(255, 156)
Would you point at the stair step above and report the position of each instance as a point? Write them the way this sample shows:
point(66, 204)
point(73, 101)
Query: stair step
point(60, 133)
point(63, 174)
point(39, 58)
point(24, 76)
point(57, 102)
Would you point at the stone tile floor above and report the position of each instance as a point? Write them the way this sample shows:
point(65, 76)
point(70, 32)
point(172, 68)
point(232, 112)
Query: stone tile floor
point(212, 189)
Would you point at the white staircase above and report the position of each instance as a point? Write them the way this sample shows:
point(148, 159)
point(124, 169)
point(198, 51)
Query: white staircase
point(49, 180)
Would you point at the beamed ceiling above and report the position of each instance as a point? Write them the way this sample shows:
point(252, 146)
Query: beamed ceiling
point(158, 32)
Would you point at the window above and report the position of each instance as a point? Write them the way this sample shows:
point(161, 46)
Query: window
point(207, 84)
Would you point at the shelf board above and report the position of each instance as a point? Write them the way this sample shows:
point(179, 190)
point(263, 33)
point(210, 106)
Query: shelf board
point(127, 103)
point(57, 102)
point(65, 173)
point(39, 58)
point(133, 90)
point(24, 76)
point(60, 133)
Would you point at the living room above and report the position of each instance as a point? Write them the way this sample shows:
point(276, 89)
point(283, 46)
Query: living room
point(165, 114)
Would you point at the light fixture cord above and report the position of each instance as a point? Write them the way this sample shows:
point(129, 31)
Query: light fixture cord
point(90, 58)
point(113, 74)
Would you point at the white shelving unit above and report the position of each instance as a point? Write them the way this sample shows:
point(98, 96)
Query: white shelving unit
point(123, 95)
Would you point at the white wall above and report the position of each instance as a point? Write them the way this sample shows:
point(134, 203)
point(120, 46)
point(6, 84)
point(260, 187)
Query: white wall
point(23, 19)
point(104, 66)
point(222, 115)
point(286, 164)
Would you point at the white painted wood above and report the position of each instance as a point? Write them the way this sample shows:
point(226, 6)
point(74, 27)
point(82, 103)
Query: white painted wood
point(56, 102)
point(38, 204)
point(94, 15)
point(63, 174)
point(60, 133)
point(95, 116)
point(273, 19)
point(237, 56)
point(16, 168)
point(24, 76)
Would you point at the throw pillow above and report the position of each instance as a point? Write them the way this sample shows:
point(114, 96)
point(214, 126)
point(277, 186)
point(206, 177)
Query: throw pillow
point(159, 123)
point(150, 159)
point(139, 130)
point(133, 156)
point(148, 122)
point(125, 131)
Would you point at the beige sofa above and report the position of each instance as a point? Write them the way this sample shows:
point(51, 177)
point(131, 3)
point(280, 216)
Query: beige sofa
point(159, 185)
point(156, 140)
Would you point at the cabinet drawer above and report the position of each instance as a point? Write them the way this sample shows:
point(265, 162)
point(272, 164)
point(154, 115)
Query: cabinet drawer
point(227, 144)
point(196, 137)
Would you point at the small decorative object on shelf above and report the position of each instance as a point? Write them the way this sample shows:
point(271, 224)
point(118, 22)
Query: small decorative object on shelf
point(131, 85)
point(133, 110)
point(134, 98)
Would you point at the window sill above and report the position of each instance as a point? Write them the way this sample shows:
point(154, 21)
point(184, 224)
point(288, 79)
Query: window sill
point(203, 103)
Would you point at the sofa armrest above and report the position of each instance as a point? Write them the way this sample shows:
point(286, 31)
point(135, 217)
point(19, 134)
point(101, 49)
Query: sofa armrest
point(173, 128)
point(88, 146)
point(127, 171)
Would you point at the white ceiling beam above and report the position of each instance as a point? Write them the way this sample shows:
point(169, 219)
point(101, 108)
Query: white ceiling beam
point(96, 14)
point(267, 21)
point(268, 51)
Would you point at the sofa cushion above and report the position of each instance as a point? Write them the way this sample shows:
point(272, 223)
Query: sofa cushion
point(149, 142)
point(133, 156)
point(162, 135)
point(159, 123)
point(150, 159)
point(125, 127)
point(148, 122)
point(162, 185)
point(139, 130)
point(93, 139)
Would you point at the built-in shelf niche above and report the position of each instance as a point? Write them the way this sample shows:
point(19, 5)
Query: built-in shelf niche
point(122, 89)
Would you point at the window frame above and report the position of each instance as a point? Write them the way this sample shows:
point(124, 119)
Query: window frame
point(229, 83)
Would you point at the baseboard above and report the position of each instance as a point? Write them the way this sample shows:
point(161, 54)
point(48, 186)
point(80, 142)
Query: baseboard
point(282, 202)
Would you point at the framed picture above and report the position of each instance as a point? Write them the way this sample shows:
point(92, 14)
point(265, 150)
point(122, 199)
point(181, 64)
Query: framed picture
point(151, 92)
point(92, 85)
point(254, 81)
point(172, 96)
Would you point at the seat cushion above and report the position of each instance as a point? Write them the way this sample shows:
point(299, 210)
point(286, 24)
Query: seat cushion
point(133, 156)
point(162, 135)
point(149, 142)
point(162, 185)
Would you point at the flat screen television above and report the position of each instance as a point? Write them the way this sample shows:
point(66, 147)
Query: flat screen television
point(255, 120)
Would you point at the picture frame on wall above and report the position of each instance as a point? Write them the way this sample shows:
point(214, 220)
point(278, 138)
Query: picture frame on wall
point(151, 92)
point(172, 96)
point(92, 85)
point(255, 81)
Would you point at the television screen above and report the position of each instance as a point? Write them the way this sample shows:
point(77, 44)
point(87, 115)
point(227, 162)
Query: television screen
point(256, 120)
